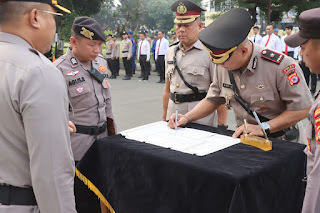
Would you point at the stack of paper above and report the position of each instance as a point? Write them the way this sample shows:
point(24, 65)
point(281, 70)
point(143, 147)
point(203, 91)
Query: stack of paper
point(187, 140)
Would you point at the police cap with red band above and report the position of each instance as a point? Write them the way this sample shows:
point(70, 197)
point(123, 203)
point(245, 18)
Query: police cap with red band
point(186, 11)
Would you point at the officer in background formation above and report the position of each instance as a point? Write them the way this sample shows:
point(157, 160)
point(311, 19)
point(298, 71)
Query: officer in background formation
point(84, 70)
point(270, 40)
point(144, 56)
point(289, 51)
point(279, 96)
point(309, 39)
point(153, 48)
point(189, 71)
point(126, 55)
point(109, 56)
point(133, 58)
point(116, 55)
point(256, 38)
point(36, 162)
point(162, 46)
point(174, 38)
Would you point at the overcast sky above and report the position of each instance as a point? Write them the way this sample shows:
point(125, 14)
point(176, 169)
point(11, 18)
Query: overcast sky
point(116, 2)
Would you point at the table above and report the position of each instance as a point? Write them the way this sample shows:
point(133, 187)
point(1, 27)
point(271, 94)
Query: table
point(137, 177)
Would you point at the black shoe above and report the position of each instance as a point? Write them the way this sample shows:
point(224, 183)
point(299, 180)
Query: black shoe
point(113, 77)
point(140, 76)
point(134, 72)
point(126, 78)
point(145, 79)
point(117, 74)
point(159, 81)
point(163, 81)
point(158, 74)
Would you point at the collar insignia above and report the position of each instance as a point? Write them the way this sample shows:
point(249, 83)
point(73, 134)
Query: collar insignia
point(86, 33)
point(74, 61)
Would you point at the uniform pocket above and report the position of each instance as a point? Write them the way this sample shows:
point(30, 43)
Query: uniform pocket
point(262, 99)
point(196, 74)
point(81, 96)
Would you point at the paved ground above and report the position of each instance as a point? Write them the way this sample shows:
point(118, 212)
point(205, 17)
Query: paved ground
point(136, 103)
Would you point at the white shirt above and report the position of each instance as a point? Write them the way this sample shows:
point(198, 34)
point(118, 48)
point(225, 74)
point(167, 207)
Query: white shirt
point(274, 42)
point(164, 45)
point(144, 46)
point(283, 45)
point(256, 39)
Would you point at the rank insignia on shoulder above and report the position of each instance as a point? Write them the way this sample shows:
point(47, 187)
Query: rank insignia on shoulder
point(272, 56)
point(72, 73)
point(102, 69)
point(74, 61)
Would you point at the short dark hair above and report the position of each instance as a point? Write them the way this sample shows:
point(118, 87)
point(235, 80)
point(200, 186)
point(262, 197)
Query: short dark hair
point(143, 33)
point(289, 27)
point(256, 27)
point(161, 31)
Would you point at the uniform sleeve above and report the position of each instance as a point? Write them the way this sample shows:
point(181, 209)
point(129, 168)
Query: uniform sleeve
point(133, 46)
point(148, 51)
point(44, 108)
point(130, 49)
point(292, 85)
point(214, 91)
point(278, 45)
point(157, 47)
point(166, 48)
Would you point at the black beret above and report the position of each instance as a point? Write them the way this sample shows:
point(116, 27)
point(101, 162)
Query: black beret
point(109, 35)
point(227, 31)
point(88, 28)
point(124, 33)
point(53, 3)
point(114, 36)
point(174, 33)
point(309, 28)
point(186, 11)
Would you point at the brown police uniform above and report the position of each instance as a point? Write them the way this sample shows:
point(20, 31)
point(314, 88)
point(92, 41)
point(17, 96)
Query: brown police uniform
point(126, 55)
point(90, 100)
point(116, 55)
point(309, 29)
point(109, 55)
point(271, 84)
point(197, 70)
point(36, 162)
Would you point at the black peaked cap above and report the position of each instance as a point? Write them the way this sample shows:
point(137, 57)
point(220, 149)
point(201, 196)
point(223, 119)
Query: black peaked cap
point(227, 31)
point(88, 28)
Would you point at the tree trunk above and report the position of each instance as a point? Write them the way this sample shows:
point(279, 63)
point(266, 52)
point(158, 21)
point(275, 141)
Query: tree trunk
point(253, 13)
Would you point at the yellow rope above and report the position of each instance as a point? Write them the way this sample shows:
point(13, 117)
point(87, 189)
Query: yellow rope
point(94, 189)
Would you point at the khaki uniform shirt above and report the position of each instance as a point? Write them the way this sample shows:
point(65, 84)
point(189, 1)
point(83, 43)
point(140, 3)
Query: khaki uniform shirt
point(90, 101)
point(265, 86)
point(116, 50)
point(126, 48)
point(197, 70)
point(312, 195)
point(35, 148)
point(109, 49)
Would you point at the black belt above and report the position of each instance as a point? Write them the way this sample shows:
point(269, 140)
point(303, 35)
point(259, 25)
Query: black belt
point(12, 195)
point(125, 51)
point(108, 53)
point(91, 130)
point(182, 98)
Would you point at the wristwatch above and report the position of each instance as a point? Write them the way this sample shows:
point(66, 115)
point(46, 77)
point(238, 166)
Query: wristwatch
point(266, 127)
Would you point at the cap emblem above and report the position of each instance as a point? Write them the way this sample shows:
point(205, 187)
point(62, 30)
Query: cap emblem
point(182, 9)
point(86, 33)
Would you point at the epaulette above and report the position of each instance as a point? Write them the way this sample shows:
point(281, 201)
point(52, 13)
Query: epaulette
point(59, 60)
point(272, 56)
point(176, 43)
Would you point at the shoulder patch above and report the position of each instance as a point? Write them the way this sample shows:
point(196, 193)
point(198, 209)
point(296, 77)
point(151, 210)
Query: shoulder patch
point(176, 43)
point(272, 56)
point(74, 61)
point(287, 68)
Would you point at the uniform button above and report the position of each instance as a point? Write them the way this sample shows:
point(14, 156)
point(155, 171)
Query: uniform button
point(195, 71)
point(242, 86)
point(261, 99)
point(180, 69)
point(183, 54)
point(178, 85)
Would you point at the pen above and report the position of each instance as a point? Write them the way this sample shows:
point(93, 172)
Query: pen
point(259, 122)
point(176, 121)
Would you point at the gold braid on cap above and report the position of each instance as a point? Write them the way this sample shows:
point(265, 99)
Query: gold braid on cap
point(86, 33)
point(220, 58)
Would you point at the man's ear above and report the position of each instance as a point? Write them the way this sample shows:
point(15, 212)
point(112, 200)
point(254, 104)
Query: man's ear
point(201, 25)
point(34, 18)
point(73, 41)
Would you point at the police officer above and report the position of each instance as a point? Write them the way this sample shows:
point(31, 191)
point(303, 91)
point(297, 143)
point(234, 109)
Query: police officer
point(174, 38)
point(126, 55)
point(116, 55)
point(188, 82)
point(84, 70)
point(309, 39)
point(109, 51)
point(36, 162)
point(153, 49)
point(133, 58)
point(279, 95)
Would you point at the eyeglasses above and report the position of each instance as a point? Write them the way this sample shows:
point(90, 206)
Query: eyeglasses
point(57, 14)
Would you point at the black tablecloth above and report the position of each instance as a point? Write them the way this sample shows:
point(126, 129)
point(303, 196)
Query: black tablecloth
point(137, 177)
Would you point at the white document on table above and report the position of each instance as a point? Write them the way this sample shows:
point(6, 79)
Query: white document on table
point(187, 140)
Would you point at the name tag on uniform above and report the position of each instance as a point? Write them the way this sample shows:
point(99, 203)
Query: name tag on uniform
point(227, 86)
point(170, 62)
